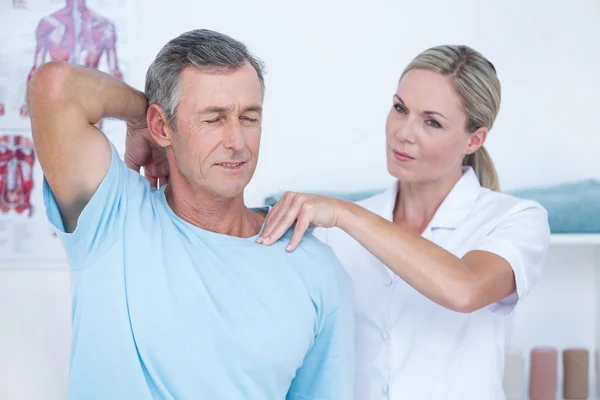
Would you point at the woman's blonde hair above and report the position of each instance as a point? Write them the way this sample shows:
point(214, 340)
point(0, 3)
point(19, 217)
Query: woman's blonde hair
point(477, 84)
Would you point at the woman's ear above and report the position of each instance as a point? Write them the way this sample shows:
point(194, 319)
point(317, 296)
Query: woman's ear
point(476, 139)
point(159, 126)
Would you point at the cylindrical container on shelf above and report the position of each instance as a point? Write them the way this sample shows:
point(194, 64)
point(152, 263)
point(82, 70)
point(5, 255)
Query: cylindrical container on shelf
point(543, 374)
point(514, 375)
point(575, 374)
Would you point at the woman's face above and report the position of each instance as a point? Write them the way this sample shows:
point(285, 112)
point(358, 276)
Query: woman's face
point(426, 129)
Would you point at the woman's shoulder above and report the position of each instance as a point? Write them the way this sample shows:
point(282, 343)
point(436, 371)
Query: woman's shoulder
point(502, 203)
point(514, 219)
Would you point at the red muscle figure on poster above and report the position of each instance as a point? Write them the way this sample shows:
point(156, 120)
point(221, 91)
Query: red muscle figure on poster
point(16, 174)
point(78, 35)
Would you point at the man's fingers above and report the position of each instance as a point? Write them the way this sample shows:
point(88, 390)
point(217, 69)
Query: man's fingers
point(163, 180)
point(301, 227)
point(152, 179)
point(163, 170)
point(130, 164)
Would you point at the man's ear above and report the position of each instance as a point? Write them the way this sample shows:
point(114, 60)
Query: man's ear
point(158, 126)
point(476, 140)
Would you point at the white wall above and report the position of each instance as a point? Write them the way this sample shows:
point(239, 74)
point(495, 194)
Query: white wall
point(332, 69)
point(34, 334)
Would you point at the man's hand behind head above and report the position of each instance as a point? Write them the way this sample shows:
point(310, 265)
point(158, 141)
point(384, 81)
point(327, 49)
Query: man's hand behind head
point(142, 152)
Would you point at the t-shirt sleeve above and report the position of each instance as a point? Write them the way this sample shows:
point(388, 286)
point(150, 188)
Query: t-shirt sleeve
point(327, 372)
point(522, 238)
point(101, 221)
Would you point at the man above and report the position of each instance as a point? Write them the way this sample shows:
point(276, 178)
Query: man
point(172, 296)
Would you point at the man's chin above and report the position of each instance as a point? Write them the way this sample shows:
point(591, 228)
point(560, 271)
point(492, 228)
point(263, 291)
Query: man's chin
point(229, 190)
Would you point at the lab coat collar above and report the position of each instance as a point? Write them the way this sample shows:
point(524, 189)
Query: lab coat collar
point(455, 208)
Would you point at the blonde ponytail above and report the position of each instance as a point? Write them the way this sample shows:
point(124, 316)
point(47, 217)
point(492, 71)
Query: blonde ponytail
point(484, 168)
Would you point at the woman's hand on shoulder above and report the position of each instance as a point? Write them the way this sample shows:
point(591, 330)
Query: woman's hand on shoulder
point(306, 210)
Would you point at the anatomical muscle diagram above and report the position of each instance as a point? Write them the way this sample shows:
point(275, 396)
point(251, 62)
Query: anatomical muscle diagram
point(78, 35)
point(16, 174)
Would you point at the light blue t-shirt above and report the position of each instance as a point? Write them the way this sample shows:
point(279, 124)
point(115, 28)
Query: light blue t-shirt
point(162, 309)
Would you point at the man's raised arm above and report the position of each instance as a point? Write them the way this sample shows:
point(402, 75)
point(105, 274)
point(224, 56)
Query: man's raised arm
point(65, 101)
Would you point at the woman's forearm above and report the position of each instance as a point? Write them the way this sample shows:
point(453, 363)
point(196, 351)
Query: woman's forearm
point(431, 270)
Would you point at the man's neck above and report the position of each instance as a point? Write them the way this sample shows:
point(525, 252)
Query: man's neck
point(228, 216)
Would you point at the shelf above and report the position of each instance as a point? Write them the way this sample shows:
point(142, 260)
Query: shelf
point(586, 239)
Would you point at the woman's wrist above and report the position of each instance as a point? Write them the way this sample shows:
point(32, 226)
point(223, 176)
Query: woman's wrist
point(344, 214)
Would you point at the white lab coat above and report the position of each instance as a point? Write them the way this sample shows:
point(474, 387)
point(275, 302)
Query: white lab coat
point(410, 348)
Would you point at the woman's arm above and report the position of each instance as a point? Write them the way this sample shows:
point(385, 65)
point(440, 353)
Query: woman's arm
point(465, 284)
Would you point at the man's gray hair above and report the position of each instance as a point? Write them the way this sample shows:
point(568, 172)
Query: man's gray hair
point(201, 48)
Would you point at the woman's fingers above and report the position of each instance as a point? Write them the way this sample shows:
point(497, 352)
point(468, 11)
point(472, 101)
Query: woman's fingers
point(270, 221)
point(301, 227)
point(274, 215)
point(285, 217)
point(282, 226)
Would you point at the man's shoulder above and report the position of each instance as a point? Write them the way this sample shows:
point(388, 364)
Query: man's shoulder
point(311, 254)
point(332, 284)
point(309, 244)
point(316, 257)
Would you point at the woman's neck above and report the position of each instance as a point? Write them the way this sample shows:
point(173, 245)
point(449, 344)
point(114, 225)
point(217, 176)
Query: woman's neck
point(417, 203)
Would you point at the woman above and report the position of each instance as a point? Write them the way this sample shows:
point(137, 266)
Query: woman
point(440, 260)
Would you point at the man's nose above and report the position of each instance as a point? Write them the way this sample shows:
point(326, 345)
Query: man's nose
point(233, 136)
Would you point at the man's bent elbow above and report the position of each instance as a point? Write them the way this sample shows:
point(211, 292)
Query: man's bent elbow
point(49, 84)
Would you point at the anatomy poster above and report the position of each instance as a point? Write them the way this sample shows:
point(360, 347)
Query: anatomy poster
point(95, 33)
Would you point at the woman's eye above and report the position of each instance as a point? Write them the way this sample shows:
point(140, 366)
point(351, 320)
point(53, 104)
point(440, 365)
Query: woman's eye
point(400, 108)
point(433, 123)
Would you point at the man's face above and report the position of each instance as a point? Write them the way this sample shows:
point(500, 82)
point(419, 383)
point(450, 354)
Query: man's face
point(219, 119)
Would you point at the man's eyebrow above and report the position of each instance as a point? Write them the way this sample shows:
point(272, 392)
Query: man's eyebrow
point(253, 108)
point(222, 109)
point(214, 109)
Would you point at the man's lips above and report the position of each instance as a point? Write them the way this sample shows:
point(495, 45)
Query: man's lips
point(231, 165)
